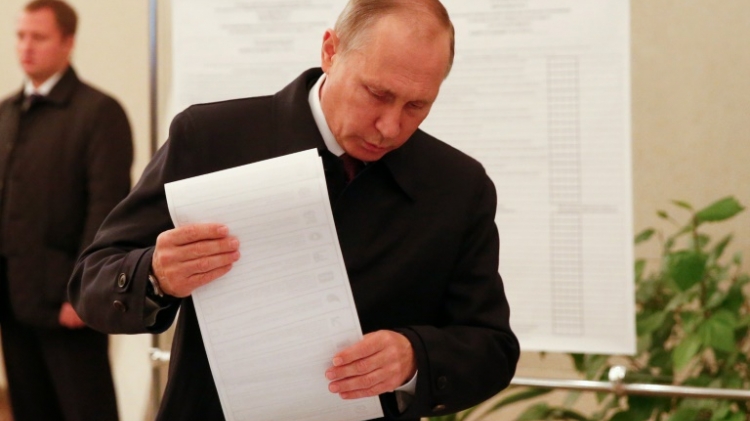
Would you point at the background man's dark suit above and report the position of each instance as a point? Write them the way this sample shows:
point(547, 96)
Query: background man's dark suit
point(65, 163)
point(416, 229)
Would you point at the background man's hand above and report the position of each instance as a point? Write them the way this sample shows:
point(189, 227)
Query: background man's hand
point(188, 257)
point(379, 363)
point(69, 318)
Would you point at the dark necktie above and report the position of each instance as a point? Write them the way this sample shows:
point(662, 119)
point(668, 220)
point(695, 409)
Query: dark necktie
point(351, 166)
point(29, 101)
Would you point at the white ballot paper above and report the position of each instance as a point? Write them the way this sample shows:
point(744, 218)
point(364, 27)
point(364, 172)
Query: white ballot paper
point(273, 323)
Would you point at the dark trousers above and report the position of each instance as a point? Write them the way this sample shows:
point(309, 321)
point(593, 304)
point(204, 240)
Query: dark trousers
point(55, 374)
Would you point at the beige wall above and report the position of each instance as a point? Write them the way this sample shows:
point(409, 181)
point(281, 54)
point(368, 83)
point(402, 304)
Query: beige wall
point(691, 118)
point(111, 53)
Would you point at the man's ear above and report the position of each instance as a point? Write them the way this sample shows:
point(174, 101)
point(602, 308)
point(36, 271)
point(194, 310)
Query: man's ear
point(329, 49)
point(69, 41)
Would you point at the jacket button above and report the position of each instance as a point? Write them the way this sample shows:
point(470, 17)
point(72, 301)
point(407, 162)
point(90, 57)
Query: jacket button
point(119, 305)
point(438, 408)
point(122, 280)
point(442, 383)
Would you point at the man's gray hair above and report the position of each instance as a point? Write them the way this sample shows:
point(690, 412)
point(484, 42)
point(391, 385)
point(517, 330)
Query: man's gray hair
point(360, 15)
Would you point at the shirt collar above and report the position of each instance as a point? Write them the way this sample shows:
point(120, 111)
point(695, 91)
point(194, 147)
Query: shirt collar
point(45, 88)
point(320, 119)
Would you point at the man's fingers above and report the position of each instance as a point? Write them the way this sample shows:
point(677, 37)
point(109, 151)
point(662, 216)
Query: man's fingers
point(201, 279)
point(208, 264)
point(209, 248)
point(191, 256)
point(180, 280)
point(381, 362)
point(371, 384)
point(370, 344)
point(189, 234)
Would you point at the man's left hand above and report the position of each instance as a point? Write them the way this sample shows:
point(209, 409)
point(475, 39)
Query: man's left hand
point(379, 363)
point(69, 318)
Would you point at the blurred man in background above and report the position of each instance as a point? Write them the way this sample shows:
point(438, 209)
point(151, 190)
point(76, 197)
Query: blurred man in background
point(65, 157)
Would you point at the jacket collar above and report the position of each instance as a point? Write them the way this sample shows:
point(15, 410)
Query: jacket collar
point(295, 126)
point(63, 90)
point(296, 131)
point(60, 94)
point(401, 163)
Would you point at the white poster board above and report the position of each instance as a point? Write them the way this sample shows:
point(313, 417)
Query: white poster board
point(539, 93)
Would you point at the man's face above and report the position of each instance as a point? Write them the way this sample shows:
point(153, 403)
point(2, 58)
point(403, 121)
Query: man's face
point(375, 97)
point(42, 49)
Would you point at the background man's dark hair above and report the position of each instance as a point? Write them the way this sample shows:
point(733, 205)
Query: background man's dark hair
point(66, 17)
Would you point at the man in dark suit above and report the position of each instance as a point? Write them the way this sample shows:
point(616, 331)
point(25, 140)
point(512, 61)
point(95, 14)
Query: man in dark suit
point(415, 225)
point(65, 159)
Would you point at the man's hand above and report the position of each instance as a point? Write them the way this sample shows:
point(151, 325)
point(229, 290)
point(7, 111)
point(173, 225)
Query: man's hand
point(69, 318)
point(188, 257)
point(379, 363)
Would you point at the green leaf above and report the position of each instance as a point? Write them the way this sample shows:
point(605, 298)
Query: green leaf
point(536, 412)
point(721, 246)
point(690, 320)
point(643, 344)
point(701, 241)
point(744, 321)
point(644, 235)
point(648, 324)
point(463, 415)
point(518, 397)
point(715, 298)
point(737, 416)
point(721, 412)
point(595, 364)
point(731, 380)
point(572, 398)
point(685, 351)
point(659, 357)
point(698, 381)
point(734, 299)
point(568, 414)
point(684, 230)
point(640, 266)
point(737, 258)
point(578, 362)
point(662, 214)
point(682, 204)
point(641, 407)
point(720, 210)
point(624, 416)
point(687, 268)
point(718, 331)
point(684, 414)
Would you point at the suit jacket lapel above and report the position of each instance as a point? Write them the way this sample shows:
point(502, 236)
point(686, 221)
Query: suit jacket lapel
point(63, 90)
point(294, 126)
point(9, 120)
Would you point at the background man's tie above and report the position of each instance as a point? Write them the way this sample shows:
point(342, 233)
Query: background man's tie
point(29, 101)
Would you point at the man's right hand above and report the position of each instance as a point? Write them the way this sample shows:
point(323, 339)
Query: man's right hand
point(191, 256)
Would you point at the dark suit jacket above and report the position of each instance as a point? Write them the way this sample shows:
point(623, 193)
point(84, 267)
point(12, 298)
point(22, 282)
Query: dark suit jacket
point(416, 230)
point(68, 166)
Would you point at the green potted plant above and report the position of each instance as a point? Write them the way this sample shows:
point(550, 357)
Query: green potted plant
point(693, 320)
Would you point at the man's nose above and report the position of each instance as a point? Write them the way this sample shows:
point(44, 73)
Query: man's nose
point(24, 44)
point(389, 123)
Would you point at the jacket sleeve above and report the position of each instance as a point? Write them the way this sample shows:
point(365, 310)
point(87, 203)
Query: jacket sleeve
point(108, 285)
point(471, 354)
